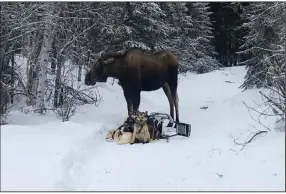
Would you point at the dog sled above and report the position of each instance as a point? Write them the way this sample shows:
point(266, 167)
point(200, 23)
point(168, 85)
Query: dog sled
point(158, 119)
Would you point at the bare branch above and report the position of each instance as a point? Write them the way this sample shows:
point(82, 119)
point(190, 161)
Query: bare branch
point(248, 141)
point(258, 121)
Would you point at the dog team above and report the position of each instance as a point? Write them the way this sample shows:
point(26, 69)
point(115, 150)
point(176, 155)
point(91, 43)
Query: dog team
point(137, 128)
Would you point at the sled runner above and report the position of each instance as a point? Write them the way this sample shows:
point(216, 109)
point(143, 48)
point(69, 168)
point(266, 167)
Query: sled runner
point(181, 129)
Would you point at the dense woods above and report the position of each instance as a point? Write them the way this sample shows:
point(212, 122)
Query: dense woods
point(60, 40)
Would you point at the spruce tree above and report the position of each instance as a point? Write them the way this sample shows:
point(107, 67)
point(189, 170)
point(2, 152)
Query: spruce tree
point(203, 34)
point(264, 42)
point(133, 25)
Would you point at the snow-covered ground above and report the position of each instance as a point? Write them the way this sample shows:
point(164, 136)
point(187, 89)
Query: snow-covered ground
point(43, 153)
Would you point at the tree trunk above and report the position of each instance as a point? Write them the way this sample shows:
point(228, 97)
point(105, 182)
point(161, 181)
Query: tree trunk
point(33, 69)
point(43, 60)
point(87, 65)
point(58, 83)
point(12, 77)
point(79, 70)
point(77, 60)
point(61, 99)
point(53, 64)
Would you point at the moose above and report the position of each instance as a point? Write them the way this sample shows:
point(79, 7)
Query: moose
point(139, 71)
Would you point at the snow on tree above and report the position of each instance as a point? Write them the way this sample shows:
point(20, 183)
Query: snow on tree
point(148, 24)
point(264, 42)
point(203, 34)
point(192, 38)
point(50, 18)
point(133, 24)
point(179, 40)
point(264, 48)
point(13, 27)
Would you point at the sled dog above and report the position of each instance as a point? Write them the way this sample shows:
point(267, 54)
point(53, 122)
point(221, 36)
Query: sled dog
point(119, 136)
point(141, 129)
point(135, 129)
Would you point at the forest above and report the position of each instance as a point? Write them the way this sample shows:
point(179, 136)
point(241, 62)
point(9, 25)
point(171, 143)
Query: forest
point(57, 38)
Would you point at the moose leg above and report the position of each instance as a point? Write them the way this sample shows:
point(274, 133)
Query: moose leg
point(128, 99)
point(167, 91)
point(136, 100)
point(176, 99)
point(173, 84)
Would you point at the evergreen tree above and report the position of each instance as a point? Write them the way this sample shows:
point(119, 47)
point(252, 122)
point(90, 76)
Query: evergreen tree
point(203, 35)
point(264, 43)
point(227, 21)
point(147, 23)
point(179, 40)
point(202, 28)
point(192, 36)
point(133, 24)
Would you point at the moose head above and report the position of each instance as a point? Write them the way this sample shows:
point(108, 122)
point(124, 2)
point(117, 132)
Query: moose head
point(107, 65)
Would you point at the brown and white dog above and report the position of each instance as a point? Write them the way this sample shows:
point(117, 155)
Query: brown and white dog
point(141, 129)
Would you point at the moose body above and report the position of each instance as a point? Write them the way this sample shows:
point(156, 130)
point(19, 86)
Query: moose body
point(138, 71)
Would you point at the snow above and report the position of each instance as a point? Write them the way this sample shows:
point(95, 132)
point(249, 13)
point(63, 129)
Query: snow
point(43, 153)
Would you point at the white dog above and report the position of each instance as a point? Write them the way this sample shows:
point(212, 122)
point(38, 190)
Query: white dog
point(119, 136)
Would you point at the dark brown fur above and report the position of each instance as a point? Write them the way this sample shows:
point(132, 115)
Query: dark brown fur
point(138, 71)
